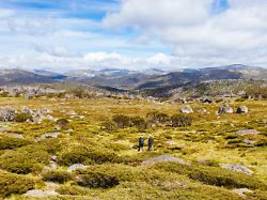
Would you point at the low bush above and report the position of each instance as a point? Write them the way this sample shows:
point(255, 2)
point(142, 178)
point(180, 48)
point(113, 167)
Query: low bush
point(14, 184)
point(23, 117)
point(108, 126)
point(12, 143)
point(94, 179)
point(74, 155)
point(180, 120)
point(157, 117)
point(72, 190)
point(58, 176)
point(121, 121)
point(63, 123)
point(214, 176)
point(138, 122)
point(25, 160)
point(87, 155)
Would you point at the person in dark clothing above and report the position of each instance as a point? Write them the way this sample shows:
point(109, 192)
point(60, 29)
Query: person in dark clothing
point(141, 144)
point(150, 143)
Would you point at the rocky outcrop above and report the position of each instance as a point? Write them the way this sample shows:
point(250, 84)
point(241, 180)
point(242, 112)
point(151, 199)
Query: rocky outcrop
point(237, 168)
point(7, 114)
point(186, 109)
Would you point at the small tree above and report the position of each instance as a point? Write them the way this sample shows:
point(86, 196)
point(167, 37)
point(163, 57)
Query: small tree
point(108, 126)
point(157, 117)
point(122, 121)
point(138, 122)
point(179, 120)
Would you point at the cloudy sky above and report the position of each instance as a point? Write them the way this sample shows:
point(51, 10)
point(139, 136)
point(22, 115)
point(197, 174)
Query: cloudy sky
point(134, 34)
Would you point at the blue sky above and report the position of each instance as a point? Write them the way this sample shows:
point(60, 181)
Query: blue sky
point(136, 34)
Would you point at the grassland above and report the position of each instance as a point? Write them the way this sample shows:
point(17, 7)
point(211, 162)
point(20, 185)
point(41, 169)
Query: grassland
point(114, 166)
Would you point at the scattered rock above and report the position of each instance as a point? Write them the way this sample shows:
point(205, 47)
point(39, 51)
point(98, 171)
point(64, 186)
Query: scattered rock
point(225, 109)
point(237, 168)
point(7, 114)
point(249, 142)
point(76, 167)
point(247, 132)
point(170, 185)
point(48, 191)
point(207, 100)
point(48, 136)
point(54, 158)
point(242, 109)
point(163, 158)
point(14, 135)
point(242, 191)
point(41, 193)
point(186, 109)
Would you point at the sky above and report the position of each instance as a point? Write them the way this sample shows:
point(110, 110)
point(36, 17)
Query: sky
point(64, 35)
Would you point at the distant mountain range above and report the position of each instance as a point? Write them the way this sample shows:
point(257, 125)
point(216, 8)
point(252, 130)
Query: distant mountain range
point(123, 79)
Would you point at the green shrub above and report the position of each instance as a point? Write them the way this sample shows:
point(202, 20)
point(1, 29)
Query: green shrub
point(72, 190)
point(63, 123)
point(74, 155)
point(214, 176)
point(25, 160)
point(86, 155)
point(58, 176)
point(12, 143)
point(122, 121)
point(14, 184)
point(180, 120)
point(97, 180)
point(23, 117)
point(157, 117)
point(108, 126)
point(138, 122)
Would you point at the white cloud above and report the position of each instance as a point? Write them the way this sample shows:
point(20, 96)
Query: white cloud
point(197, 35)
point(158, 13)
point(134, 34)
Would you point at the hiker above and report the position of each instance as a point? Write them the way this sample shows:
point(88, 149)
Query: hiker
point(141, 144)
point(150, 143)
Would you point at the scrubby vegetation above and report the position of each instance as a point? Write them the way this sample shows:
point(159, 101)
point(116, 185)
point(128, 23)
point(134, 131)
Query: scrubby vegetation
point(89, 150)
point(14, 184)
point(57, 176)
point(12, 143)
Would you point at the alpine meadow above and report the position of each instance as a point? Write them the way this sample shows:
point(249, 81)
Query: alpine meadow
point(133, 100)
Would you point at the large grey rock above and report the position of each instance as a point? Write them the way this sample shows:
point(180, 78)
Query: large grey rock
point(225, 109)
point(247, 132)
point(76, 167)
point(41, 193)
point(242, 109)
point(163, 158)
point(48, 136)
point(242, 191)
point(186, 109)
point(237, 168)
